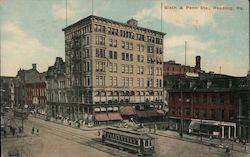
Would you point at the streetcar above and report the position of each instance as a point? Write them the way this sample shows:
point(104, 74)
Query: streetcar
point(132, 141)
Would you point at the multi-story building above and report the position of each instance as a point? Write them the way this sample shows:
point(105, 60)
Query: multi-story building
point(207, 103)
point(110, 64)
point(30, 89)
point(173, 68)
point(5, 90)
point(56, 88)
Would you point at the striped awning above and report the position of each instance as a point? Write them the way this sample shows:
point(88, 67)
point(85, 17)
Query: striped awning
point(127, 111)
point(101, 117)
point(114, 116)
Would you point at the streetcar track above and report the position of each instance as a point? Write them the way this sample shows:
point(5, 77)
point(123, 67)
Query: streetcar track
point(76, 137)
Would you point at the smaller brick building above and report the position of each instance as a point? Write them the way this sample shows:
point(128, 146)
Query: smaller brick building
point(34, 88)
point(206, 104)
point(172, 68)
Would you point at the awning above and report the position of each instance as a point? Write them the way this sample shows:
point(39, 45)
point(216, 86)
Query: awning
point(141, 114)
point(100, 117)
point(152, 113)
point(114, 116)
point(127, 111)
point(194, 125)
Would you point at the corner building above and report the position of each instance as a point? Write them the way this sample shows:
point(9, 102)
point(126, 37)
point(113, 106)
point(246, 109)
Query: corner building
point(110, 64)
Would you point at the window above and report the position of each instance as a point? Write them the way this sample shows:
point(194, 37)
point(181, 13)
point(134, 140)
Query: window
point(115, 55)
point(131, 46)
point(100, 53)
point(88, 81)
point(123, 56)
point(138, 70)
point(111, 67)
point(115, 68)
point(142, 58)
point(142, 70)
point(126, 45)
point(131, 57)
point(110, 42)
point(123, 68)
point(123, 81)
point(100, 40)
point(123, 44)
point(127, 68)
point(115, 43)
point(127, 57)
point(111, 80)
point(110, 54)
point(131, 69)
point(115, 81)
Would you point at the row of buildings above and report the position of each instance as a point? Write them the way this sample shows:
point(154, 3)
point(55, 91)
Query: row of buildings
point(114, 71)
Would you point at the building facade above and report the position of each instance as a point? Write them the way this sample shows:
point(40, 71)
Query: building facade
point(5, 91)
point(173, 68)
point(30, 89)
point(110, 64)
point(205, 104)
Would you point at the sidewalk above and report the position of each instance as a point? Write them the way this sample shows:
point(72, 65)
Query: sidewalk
point(206, 141)
point(82, 127)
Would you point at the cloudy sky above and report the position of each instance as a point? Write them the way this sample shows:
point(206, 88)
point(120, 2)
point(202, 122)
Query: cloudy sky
point(31, 30)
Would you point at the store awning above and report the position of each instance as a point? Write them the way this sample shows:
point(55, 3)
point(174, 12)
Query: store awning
point(114, 116)
point(101, 117)
point(141, 114)
point(127, 111)
point(194, 125)
point(152, 113)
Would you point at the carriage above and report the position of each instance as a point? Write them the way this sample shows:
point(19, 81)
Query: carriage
point(129, 140)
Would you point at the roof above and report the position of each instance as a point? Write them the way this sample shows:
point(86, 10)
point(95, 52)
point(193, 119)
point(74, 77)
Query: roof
point(108, 20)
point(128, 132)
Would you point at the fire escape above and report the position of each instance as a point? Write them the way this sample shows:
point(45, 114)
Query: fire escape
point(74, 67)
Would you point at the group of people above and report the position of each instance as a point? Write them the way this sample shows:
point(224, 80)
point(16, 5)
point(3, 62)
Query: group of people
point(33, 131)
point(13, 130)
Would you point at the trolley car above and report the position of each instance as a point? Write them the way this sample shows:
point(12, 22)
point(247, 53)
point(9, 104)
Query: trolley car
point(133, 141)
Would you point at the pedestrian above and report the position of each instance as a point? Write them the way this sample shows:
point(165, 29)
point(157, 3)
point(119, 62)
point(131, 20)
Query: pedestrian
point(4, 133)
point(37, 131)
point(33, 130)
point(13, 131)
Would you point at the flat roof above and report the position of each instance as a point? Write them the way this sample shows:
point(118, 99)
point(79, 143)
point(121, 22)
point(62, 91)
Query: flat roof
point(108, 20)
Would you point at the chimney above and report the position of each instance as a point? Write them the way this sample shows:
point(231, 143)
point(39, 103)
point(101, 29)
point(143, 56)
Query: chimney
point(34, 66)
point(198, 63)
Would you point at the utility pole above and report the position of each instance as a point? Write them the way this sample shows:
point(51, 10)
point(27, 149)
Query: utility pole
point(185, 53)
point(66, 12)
point(181, 124)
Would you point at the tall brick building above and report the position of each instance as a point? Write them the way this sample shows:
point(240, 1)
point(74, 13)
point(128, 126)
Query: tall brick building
point(110, 64)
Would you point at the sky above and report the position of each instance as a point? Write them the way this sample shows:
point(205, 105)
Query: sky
point(31, 30)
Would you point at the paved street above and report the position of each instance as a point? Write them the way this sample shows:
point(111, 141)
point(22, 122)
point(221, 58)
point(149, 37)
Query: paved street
point(57, 140)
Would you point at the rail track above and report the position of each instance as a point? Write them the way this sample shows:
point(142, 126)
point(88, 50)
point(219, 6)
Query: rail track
point(81, 139)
